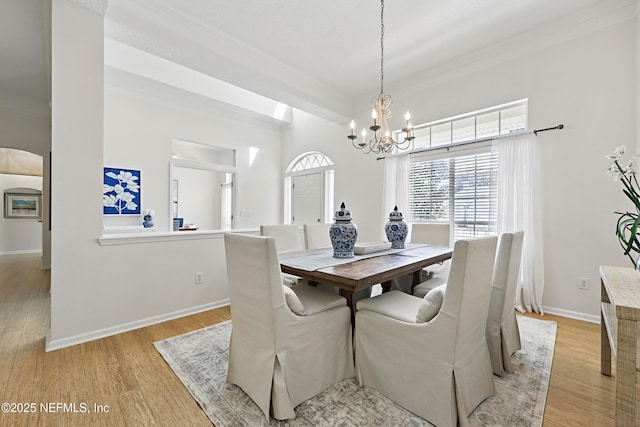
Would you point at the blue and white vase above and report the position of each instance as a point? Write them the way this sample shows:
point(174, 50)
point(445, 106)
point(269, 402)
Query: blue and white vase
point(396, 229)
point(148, 218)
point(148, 221)
point(343, 234)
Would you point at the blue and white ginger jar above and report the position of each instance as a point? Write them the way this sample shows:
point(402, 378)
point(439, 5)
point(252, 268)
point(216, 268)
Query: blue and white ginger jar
point(396, 229)
point(343, 234)
point(148, 221)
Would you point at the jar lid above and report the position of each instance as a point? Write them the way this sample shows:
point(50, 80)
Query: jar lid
point(343, 213)
point(395, 215)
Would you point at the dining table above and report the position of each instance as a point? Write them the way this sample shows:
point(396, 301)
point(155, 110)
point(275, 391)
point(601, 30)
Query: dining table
point(363, 271)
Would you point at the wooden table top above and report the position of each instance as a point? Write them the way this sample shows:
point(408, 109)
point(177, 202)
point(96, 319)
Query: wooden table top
point(360, 273)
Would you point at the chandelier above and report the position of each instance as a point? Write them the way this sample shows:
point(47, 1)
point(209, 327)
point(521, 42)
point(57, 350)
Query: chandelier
point(381, 140)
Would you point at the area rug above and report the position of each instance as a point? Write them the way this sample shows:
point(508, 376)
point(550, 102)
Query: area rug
point(199, 359)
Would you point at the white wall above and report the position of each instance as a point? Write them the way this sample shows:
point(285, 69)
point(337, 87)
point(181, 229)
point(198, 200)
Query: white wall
point(25, 131)
point(139, 132)
point(588, 84)
point(101, 290)
point(637, 79)
point(19, 235)
point(358, 177)
point(31, 131)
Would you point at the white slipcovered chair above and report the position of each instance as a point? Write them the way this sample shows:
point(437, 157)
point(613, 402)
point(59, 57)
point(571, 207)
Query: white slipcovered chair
point(503, 336)
point(316, 236)
point(434, 275)
point(430, 355)
point(280, 358)
point(289, 238)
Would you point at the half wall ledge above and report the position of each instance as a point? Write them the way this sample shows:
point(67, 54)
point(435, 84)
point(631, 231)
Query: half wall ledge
point(166, 236)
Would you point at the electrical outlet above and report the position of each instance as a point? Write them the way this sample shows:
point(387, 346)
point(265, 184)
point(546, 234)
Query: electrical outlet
point(198, 278)
point(583, 284)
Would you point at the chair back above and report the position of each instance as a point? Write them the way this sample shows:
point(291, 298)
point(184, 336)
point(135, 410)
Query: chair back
point(502, 332)
point(433, 234)
point(253, 272)
point(289, 237)
point(468, 291)
point(316, 236)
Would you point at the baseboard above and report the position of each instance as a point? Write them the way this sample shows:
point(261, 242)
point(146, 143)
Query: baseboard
point(28, 251)
point(572, 314)
point(107, 332)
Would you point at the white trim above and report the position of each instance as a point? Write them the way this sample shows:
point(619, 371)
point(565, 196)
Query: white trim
point(495, 108)
point(114, 330)
point(572, 314)
point(26, 251)
point(166, 236)
point(195, 164)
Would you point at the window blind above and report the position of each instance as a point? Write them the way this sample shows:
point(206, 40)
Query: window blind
point(459, 190)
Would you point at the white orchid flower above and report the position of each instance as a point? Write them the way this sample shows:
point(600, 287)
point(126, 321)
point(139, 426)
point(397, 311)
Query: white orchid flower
point(631, 168)
point(617, 153)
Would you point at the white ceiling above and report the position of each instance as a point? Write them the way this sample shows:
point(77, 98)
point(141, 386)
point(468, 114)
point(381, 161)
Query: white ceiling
point(322, 56)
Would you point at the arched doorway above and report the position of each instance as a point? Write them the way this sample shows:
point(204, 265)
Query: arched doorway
point(21, 185)
point(309, 189)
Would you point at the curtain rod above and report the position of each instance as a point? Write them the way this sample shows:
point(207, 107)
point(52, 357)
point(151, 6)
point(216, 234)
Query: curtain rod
point(477, 141)
point(560, 126)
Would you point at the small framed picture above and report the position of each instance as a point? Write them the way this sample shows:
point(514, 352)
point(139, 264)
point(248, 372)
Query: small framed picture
point(23, 205)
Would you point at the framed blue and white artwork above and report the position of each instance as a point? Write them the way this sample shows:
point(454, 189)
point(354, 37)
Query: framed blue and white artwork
point(121, 192)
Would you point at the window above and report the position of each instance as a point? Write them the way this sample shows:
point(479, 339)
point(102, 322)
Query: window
point(482, 124)
point(310, 161)
point(458, 185)
point(460, 190)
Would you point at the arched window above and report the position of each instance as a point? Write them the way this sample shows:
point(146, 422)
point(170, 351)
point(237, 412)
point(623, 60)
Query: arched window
point(308, 190)
point(310, 160)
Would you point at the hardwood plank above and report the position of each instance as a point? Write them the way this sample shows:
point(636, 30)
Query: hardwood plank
point(126, 373)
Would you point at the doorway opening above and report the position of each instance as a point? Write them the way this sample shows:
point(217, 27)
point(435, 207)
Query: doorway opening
point(308, 189)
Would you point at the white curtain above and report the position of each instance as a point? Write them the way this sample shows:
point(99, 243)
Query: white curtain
point(395, 187)
point(519, 209)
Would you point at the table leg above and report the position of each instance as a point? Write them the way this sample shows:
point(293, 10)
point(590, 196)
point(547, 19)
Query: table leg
point(605, 349)
point(349, 297)
point(386, 286)
point(626, 372)
point(417, 278)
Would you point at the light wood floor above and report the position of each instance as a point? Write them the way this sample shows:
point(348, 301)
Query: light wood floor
point(126, 374)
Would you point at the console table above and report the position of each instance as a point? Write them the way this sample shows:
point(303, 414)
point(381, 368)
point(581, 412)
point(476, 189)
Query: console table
point(619, 316)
